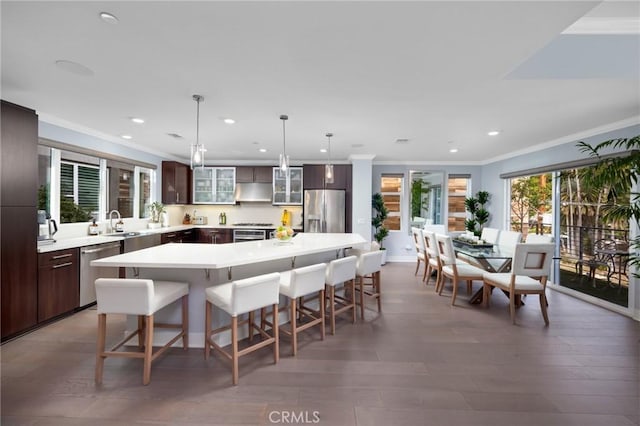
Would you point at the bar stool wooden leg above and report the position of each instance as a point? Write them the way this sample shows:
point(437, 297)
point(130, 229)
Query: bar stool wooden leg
point(294, 326)
point(148, 350)
point(102, 331)
point(352, 285)
point(140, 331)
point(276, 335)
point(322, 308)
point(361, 282)
point(185, 322)
point(263, 318)
point(234, 349)
point(332, 308)
point(377, 285)
point(207, 329)
point(251, 320)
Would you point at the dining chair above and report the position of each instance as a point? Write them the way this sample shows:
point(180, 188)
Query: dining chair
point(433, 258)
point(539, 238)
point(529, 272)
point(454, 269)
point(418, 242)
point(509, 238)
point(490, 235)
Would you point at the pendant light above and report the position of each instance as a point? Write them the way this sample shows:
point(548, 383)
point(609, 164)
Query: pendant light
point(328, 168)
point(197, 149)
point(284, 158)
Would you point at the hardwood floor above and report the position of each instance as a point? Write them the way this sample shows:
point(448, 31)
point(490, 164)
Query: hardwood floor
point(419, 362)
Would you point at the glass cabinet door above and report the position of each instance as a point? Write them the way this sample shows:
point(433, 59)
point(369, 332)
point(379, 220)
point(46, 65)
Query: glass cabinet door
point(287, 188)
point(225, 180)
point(202, 185)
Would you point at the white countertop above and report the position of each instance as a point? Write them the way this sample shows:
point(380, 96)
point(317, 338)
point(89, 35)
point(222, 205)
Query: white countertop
point(88, 240)
point(215, 256)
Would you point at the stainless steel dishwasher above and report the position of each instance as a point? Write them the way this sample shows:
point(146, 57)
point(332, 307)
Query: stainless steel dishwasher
point(89, 274)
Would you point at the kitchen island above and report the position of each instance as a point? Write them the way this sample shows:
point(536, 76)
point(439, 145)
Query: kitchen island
point(204, 265)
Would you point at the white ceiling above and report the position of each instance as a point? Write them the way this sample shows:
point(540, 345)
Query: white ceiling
point(440, 74)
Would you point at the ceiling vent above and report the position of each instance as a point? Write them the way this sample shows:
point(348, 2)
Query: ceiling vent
point(175, 135)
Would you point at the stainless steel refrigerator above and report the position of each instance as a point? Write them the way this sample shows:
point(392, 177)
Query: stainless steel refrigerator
point(324, 210)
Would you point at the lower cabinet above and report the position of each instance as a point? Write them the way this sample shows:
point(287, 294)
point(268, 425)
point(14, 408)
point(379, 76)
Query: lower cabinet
point(187, 236)
point(58, 283)
point(215, 235)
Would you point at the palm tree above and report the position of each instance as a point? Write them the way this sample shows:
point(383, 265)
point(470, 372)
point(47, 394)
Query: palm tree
point(616, 175)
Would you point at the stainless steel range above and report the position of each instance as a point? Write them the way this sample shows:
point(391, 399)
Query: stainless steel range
point(251, 233)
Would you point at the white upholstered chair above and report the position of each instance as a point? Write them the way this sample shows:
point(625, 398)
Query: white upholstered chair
point(433, 258)
point(296, 284)
point(418, 242)
point(529, 272)
point(509, 238)
point(237, 298)
point(368, 274)
point(539, 239)
point(490, 235)
point(142, 298)
point(454, 269)
point(341, 271)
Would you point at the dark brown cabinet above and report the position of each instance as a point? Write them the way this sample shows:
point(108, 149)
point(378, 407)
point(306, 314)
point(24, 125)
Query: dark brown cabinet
point(176, 183)
point(186, 236)
point(18, 223)
point(215, 235)
point(58, 283)
point(314, 176)
point(259, 174)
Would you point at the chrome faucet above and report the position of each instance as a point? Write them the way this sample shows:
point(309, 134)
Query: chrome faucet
point(111, 218)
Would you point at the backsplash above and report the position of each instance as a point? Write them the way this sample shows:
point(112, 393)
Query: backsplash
point(243, 212)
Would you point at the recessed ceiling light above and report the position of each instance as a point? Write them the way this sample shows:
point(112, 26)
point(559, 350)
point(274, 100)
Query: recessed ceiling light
point(127, 137)
point(73, 67)
point(229, 120)
point(323, 150)
point(262, 150)
point(453, 150)
point(137, 120)
point(493, 133)
point(108, 18)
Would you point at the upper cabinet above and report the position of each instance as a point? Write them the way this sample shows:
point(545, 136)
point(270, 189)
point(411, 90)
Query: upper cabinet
point(258, 174)
point(214, 185)
point(175, 183)
point(287, 188)
point(314, 177)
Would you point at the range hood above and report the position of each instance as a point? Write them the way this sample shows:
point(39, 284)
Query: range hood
point(254, 192)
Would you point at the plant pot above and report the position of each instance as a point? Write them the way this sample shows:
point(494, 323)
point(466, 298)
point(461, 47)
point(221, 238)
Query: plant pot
point(384, 256)
point(154, 225)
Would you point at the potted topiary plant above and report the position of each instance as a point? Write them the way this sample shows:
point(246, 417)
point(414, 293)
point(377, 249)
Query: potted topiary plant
point(479, 214)
point(377, 221)
point(155, 210)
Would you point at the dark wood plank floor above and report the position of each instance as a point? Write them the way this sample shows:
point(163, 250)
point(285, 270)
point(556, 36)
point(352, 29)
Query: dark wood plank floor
point(420, 362)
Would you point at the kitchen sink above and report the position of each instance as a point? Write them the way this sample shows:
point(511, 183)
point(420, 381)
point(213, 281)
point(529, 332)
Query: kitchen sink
point(123, 234)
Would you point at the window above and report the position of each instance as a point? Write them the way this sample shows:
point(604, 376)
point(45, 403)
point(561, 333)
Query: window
point(391, 187)
point(79, 187)
point(84, 185)
point(458, 187)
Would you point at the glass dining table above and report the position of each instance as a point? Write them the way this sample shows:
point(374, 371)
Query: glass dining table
point(491, 258)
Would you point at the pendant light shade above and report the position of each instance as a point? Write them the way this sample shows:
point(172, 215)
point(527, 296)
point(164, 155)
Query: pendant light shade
point(328, 168)
point(284, 158)
point(197, 149)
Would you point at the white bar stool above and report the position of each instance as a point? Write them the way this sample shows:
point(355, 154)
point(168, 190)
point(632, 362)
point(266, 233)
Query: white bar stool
point(237, 298)
point(341, 271)
point(295, 284)
point(142, 298)
point(368, 267)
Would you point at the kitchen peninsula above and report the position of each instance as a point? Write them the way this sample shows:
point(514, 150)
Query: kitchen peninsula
point(204, 265)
